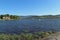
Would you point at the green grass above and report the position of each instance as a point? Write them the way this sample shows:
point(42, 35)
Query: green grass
point(25, 36)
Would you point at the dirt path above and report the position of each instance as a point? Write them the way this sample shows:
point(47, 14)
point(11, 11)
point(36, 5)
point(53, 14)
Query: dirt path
point(53, 37)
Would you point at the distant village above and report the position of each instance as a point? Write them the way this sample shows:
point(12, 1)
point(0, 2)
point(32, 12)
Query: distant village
point(9, 17)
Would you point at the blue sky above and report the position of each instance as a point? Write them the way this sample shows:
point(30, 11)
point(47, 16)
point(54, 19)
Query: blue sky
point(30, 7)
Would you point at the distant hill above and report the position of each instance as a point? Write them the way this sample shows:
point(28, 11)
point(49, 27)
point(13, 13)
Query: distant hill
point(42, 17)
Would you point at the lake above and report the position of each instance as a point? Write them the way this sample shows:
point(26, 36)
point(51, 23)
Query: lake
point(18, 26)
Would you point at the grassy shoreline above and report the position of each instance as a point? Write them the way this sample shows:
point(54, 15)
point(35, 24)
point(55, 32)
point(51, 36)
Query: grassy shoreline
point(26, 36)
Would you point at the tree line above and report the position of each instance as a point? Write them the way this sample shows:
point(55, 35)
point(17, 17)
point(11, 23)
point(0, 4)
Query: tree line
point(11, 16)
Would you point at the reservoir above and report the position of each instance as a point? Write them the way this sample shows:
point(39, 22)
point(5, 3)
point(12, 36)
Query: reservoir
point(18, 26)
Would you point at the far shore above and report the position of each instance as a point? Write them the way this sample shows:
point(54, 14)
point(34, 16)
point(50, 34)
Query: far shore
point(8, 19)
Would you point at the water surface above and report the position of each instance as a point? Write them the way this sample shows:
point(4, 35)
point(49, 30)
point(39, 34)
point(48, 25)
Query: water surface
point(17, 26)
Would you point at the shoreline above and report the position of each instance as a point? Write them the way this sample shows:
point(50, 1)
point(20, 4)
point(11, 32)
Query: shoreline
point(9, 19)
point(55, 36)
